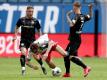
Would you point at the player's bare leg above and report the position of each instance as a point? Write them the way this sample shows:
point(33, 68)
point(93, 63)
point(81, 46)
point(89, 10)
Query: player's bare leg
point(39, 60)
point(58, 48)
point(23, 59)
point(61, 51)
point(50, 64)
point(31, 65)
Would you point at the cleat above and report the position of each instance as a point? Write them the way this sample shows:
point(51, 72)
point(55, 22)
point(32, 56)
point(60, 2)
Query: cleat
point(86, 71)
point(23, 72)
point(44, 70)
point(66, 75)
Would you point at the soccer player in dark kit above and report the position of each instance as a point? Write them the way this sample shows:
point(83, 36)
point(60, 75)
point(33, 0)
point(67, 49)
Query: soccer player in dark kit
point(76, 25)
point(28, 25)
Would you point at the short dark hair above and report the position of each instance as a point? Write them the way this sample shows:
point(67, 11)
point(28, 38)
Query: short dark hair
point(30, 7)
point(77, 4)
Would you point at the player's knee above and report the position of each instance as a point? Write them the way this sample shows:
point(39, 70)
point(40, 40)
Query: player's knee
point(23, 51)
point(71, 57)
point(65, 53)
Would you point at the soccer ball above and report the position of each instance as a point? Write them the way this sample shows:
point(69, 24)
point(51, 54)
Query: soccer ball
point(56, 71)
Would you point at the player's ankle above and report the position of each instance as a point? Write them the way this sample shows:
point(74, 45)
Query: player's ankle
point(67, 75)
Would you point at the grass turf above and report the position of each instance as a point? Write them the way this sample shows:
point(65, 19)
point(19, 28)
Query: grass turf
point(10, 70)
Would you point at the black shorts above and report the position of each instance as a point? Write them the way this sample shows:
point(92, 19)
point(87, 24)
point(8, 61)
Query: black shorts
point(72, 47)
point(25, 43)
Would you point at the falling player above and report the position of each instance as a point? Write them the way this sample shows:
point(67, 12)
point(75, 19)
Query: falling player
point(76, 25)
point(44, 46)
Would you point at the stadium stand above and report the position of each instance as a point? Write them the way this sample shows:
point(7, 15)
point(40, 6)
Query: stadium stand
point(45, 0)
point(51, 1)
point(34, 0)
point(56, 0)
point(12, 0)
point(23, 0)
point(3, 0)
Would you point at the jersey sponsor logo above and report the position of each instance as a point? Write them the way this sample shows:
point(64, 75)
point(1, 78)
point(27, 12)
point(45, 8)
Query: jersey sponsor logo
point(28, 26)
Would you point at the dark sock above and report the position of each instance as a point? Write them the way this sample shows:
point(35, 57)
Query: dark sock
point(40, 61)
point(22, 60)
point(77, 61)
point(67, 64)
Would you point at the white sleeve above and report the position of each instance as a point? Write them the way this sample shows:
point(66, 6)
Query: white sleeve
point(42, 40)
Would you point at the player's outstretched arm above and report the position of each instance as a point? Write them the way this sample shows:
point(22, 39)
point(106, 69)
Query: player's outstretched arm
point(70, 22)
point(90, 9)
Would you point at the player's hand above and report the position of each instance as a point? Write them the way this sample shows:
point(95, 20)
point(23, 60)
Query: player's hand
point(90, 6)
point(14, 38)
point(69, 12)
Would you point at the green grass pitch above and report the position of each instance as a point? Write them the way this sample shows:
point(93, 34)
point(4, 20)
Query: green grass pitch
point(10, 70)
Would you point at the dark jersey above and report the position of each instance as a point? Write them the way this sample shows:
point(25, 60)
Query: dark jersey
point(76, 30)
point(28, 27)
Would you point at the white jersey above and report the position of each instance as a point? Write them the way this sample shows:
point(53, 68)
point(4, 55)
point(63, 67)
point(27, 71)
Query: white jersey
point(42, 40)
point(42, 43)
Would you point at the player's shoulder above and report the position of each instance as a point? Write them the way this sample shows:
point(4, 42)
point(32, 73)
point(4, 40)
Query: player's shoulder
point(81, 16)
point(35, 19)
point(22, 18)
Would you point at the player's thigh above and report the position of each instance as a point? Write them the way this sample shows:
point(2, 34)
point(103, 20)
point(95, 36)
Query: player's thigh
point(68, 47)
point(50, 63)
point(61, 50)
point(74, 46)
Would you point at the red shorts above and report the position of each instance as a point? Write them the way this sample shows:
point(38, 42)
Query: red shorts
point(52, 49)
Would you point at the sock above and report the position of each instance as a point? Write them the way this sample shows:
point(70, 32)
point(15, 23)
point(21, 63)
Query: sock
point(40, 62)
point(67, 64)
point(23, 68)
point(22, 61)
point(77, 61)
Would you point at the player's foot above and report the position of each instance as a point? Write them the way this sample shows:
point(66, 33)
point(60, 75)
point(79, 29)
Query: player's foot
point(44, 70)
point(86, 71)
point(23, 72)
point(66, 75)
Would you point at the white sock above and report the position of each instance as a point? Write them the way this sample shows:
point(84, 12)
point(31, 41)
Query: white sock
point(23, 68)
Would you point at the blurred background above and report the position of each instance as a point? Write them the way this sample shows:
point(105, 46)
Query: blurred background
point(52, 16)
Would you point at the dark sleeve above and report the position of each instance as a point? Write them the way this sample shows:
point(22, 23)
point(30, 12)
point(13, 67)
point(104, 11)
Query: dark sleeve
point(37, 25)
point(18, 23)
point(87, 17)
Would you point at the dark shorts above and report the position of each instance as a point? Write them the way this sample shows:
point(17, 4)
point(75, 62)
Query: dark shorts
point(25, 43)
point(72, 47)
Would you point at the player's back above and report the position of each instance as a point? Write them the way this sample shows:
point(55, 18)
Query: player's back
point(41, 43)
